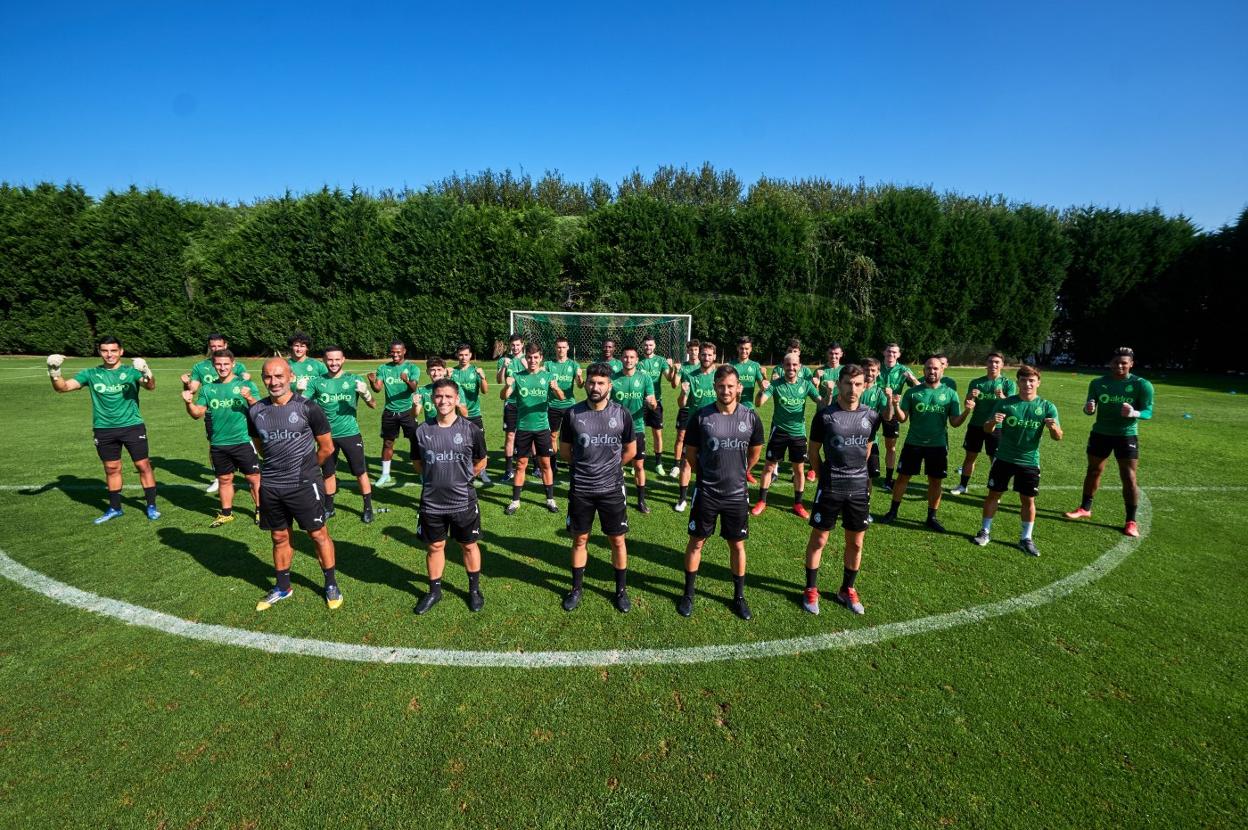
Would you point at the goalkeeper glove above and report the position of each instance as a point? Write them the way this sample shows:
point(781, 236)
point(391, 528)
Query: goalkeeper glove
point(54, 365)
point(141, 365)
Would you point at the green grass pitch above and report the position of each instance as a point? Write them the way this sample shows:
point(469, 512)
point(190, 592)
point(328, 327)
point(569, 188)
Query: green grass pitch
point(1121, 704)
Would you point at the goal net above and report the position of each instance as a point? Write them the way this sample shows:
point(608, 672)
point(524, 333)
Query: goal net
point(587, 331)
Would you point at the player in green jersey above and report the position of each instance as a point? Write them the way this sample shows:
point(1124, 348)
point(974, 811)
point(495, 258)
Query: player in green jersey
point(829, 373)
point(944, 372)
point(895, 378)
point(873, 397)
point(788, 431)
point(1021, 419)
point(659, 369)
point(397, 379)
point(510, 363)
point(632, 389)
point(697, 389)
point(609, 349)
point(204, 372)
point(568, 373)
point(675, 376)
point(1119, 400)
point(435, 367)
point(752, 377)
point(115, 418)
point(985, 389)
point(338, 394)
point(532, 390)
point(222, 403)
point(794, 346)
point(302, 365)
point(931, 409)
point(472, 385)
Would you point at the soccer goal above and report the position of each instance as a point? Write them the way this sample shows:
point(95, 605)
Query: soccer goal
point(586, 331)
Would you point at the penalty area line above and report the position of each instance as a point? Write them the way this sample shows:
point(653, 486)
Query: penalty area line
point(280, 644)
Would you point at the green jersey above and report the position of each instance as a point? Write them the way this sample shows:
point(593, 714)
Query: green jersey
point(1111, 394)
point(514, 365)
point(309, 367)
point(929, 411)
point(803, 372)
point(565, 374)
point(1022, 429)
point(427, 409)
point(227, 410)
point(339, 397)
point(205, 372)
point(114, 395)
point(828, 376)
point(873, 397)
point(532, 397)
point(896, 378)
point(630, 392)
point(950, 382)
point(616, 365)
point(655, 367)
point(987, 396)
point(701, 388)
point(469, 389)
point(398, 394)
point(790, 400)
point(750, 372)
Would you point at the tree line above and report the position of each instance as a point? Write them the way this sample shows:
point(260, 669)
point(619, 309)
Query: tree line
point(818, 260)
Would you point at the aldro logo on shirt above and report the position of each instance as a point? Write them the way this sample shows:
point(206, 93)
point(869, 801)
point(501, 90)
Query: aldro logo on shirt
point(223, 403)
point(1105, 397)
point(432, 457)
point(587, 440)
point(728, 443)
point(526, 392)
point(847, 441)
point(107, 388)
point(923, 406)
point(1025, 423)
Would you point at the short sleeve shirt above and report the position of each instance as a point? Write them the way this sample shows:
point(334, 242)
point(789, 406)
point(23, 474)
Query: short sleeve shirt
point(630, 392)
point(532, 397)
point(205, 372)
point(929, 411)
point(723, 442)
point(287, 436)
point(655, 368)
point(1022, 429)
point(448, 455)
point(701, 388)
point(988, 388)
point(469, 383)
point(114, 395)
point(309, 367)
point(339, 398)
point(1110, 395)
point(398, 394)
point(597, 439)
point(565, 375)
point(844, 437)
point(750, 372)
point(227, 410)
point(790, 405)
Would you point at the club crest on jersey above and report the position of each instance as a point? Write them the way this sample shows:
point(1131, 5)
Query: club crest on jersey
point(613, 423)
point(743, 427)
point(866, 423)
point(458, 439)
point(294, 418)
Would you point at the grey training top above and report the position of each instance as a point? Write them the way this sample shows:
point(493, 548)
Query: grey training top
point(597, 440)
point(448, 455)
point(846, 436)
point(287, 436)
point(723, 443)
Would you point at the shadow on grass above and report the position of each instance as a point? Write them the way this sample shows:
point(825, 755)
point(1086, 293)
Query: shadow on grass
point(194, 471)
point(226, 557)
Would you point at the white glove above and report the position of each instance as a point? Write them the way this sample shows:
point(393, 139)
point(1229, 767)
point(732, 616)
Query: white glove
point(141, 365)
point(302, 383)
point(54, 365)
point(362, 388)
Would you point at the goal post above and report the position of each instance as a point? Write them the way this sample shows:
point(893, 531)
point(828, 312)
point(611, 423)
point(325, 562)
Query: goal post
point(587, 330)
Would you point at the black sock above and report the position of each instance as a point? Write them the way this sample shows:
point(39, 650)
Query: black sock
point(658, 458)
point(690, 578)
point(964, 479)
point(474, 580)
point(847, 581)
point(550, 491)
point(812, 578)
point(797, 497)
point(554, 465)
point(149, 493)
point(738, 586)
point(1086, 504)
point(511, 464)
point(368, 500)
point(931, 513)
point(762, 493)
point(227, 511)
point(895, 506)
point(329, 501)
point(578, 578)
point(641, 493)
point(515, 492)
point(283, 580)
point(330, 579)
point(684, 493)
point(114, 499)
point(621, 579)
point(1131, 508)
point(435, 586)
point(889, 477)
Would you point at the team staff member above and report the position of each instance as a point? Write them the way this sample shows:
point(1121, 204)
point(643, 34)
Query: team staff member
point(1022, 420)
point(723, 440)
point(339, 393)
point(115, 418)
point(450, 452)
point(1120, 400)
point(398, 379)
point(841, 436)
point(294, 441)
point(597, 438)
point(222, 405)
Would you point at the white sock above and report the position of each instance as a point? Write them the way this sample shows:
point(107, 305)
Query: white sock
point(385, 468)
point(987, 525)
point(1027, 526)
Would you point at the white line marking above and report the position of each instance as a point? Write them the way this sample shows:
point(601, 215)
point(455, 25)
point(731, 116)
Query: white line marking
point(1160, 488)
point(280, 644)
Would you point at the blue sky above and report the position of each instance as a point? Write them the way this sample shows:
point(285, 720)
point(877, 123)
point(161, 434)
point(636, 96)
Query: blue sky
point(1129, 105)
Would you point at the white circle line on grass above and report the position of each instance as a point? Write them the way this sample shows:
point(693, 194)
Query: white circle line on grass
point(281, 644)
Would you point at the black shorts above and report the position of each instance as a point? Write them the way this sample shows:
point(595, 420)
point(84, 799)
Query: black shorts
point(682, 418)
point(241, 457)
point(510, 416)
point(555, 417)
point(654, 417)
point(934, 460)
point(1123, 447)
point(302, 504)
point(610, 507)
point(977, 440)
point(640, 437)
point(1026, 479)
point(110, 440)
point(734, 518)
point(464, 527)
point(780, 441)
point(853, 510)
point(527, 442)
point(873, 460)
point(394, 422)
point(891, 429)
point(353, 448)
point(479, 421)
